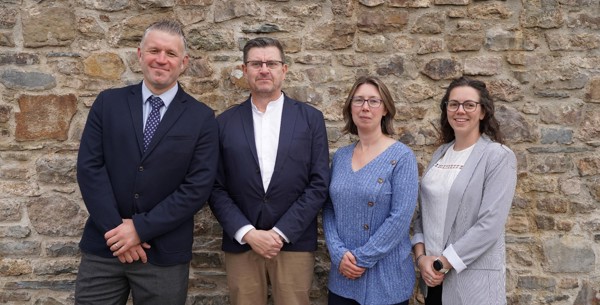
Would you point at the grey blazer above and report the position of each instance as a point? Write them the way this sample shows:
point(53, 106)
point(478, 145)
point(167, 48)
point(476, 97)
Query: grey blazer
point(478, 205)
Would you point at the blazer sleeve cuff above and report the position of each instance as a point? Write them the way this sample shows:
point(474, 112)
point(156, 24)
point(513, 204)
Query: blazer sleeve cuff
point(239, 235)
point(451, 255)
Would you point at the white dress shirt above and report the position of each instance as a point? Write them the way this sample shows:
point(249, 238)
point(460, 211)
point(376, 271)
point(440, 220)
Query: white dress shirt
point(167, 97)
point(266, 138)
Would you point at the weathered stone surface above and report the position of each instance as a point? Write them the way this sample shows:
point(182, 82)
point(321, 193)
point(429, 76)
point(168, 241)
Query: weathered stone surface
point(194, 2)
point(513, 125)
point(393, 66)
point(570, 42)
point(489, 11)
point(417, 92)
point(371, 3)
point(60, 249)
point(20, 59)
point(458, 42)
point(199, 67)
point(593, 91)
point(442, 68)
point(54, 285)
point(106, 5)
point(207, 260)
point(157, 3)
point(27, 80)
point(5, 112)
point(190, 14)
point(588, 166)
point(319, 75)
point(58, 169)
point(209, 39)
point(569, 254)
point(309, 10)
point(432, 23)
point(536, 282)
point(504, 90)
point(451, 2)
point(482, 65)
point(19, 248)
point(498, 39)
point(376, 22)
point(430, 45)
point(590, 125)
point(8, 18)
point(14, 267)
point(6, 40)
point(551, 164)
point(566, 114)
point(343, 8)
point(540, 18)
point(589, 294)
point(560, 136)
point(305, 94)
point(9, 211)
point(56, 267)
point(89, 27)
point(44, 117)
point(129, 32)
point(230, 9)
point(584, 20)
point(410, 3)
point(372, 43)
point(331, 36)
point(53, 26)
point(104, 65)
point(14, 231)
point(553, 205)
point(56, 216)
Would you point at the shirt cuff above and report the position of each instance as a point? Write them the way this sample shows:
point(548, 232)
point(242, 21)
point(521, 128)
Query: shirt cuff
point(281, 234)
point(239, 235)
point(452, 257)
point(417, 238)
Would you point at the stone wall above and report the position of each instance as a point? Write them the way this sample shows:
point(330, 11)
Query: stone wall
point(540, 58)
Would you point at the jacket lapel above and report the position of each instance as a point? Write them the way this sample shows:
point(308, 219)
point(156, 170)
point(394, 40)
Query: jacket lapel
point(286, 132)
point(135, 107)
point(460, 184)
point(248, 127)
point(173, 113)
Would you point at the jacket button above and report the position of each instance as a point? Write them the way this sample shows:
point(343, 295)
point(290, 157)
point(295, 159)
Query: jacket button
point(141, 168)
point(266, 199)
point(371, 203)
point(366, 226)
point(393, 162)
point(380, 180)
point(136, 196)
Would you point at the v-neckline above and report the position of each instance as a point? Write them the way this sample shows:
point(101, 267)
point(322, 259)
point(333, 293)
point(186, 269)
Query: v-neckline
point(370, 161)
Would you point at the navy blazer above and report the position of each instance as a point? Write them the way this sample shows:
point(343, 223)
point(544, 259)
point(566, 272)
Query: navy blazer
point(160, 189)
point(299, 184)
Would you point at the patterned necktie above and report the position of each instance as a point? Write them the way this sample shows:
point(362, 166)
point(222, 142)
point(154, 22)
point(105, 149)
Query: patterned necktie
point(153, 119)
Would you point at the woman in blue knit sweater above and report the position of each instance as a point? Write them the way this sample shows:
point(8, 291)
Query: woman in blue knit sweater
point(373, 194)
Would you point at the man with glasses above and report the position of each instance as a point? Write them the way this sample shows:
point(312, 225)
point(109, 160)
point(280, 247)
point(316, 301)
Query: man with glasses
point(272, 181)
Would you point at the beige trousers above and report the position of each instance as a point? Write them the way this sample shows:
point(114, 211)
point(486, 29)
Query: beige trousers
point(290, 275)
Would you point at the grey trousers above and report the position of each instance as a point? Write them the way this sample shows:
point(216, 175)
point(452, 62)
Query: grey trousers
point(106, 281)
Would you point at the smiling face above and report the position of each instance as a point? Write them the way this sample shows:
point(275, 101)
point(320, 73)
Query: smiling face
point(465, 124)
point(366, 118)
point(264, 82)
point(162, 59)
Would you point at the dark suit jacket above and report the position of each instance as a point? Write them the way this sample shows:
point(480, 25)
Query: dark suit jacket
point(299, 184)
point(160, 189)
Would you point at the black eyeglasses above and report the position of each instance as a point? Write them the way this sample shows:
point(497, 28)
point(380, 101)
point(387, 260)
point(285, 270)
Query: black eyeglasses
point(358, 101)
point(271, 64)
point(468, 106)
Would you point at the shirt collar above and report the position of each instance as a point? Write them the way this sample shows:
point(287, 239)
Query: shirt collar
point(276, 104)
point(167, 96)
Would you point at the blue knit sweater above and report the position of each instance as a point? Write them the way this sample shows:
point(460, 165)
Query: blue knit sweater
point(376, 234)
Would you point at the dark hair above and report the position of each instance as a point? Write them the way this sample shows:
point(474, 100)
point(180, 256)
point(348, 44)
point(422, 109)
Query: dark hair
point(488, 125)
point(263, 42)
point(168, 26)
point(387, 121)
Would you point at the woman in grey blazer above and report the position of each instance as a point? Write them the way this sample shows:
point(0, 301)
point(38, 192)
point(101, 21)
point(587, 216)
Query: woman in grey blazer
point(464, 199)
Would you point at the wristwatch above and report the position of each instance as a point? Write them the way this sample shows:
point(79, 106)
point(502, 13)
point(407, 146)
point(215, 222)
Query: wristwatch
point(439, 266)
